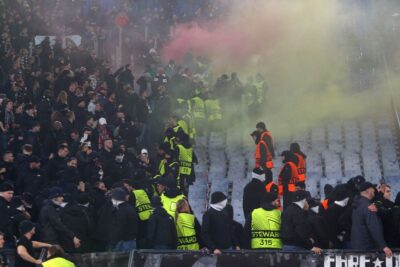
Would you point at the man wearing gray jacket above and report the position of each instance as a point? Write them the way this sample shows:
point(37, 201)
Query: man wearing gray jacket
point(366, 230)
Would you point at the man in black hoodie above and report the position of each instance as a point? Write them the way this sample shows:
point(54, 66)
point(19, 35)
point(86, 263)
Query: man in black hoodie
point(295, 229)
point(366, 230)
point(253, 192)
point(217, 230)
point(161, 230)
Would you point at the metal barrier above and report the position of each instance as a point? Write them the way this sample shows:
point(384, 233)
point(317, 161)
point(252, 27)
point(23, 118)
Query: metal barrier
point(240, 258)
point(330, 258)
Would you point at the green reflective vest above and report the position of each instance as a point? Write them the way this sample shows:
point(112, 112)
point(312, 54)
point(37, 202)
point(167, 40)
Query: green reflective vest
point(143, 204)
point(185, 160)
point(58, 262)
point(266, 229)
point(185, 229)
point(198, 108)
point(169, 204)
point(213, 109)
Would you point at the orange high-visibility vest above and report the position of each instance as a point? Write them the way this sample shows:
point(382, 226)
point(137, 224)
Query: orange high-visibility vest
point(301, 168)
point(269, 164)
point(268, 186)
point(324, 204)
point(293, 180)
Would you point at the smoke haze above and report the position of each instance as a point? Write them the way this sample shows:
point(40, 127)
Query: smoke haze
point(323, 60)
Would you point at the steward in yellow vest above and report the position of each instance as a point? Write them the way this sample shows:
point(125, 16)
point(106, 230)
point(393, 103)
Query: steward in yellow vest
point(188, 229)
point(186, 158)
point(169, 194)
point(263, 226)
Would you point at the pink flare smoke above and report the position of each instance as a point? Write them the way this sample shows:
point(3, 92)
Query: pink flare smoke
point(231, 42)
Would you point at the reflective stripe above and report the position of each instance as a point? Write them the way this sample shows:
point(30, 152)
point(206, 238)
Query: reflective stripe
point(266, 229)
point(301, 167)
point(143, 204)
point(293, 180)
point(185, 228)
point(269, 164)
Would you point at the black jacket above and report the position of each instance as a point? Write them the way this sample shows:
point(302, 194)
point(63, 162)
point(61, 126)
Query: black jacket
point(124, 224)
point(366, 230)
point(252, 195)
point(51, 226)
point(386, 211)
point(6, 212)
point(217, 230)
point(161, 229)
point(318, 229)
point(295, 229)
point(78, 220)
point(334, 226)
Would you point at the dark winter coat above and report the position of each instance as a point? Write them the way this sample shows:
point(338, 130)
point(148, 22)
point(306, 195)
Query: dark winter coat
point(161, 229)
point(366, 230)
point(6, 212)
point(52, 229)
point(124, 225)
point(252, 195)
point(335, 228)
point(217, 230)
point(295, 228)
point(318, 229)
point(78, 220)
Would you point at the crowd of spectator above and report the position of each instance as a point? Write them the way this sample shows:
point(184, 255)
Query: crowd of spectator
point(78, 140)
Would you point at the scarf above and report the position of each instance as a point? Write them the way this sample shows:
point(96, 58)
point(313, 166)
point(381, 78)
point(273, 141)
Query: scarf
point(220, 205)
point(315, 209)
point(301, 203)
point(342, 203)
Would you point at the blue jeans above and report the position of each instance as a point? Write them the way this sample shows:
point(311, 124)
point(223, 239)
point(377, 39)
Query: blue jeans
point(125, 246)
point(290, 248)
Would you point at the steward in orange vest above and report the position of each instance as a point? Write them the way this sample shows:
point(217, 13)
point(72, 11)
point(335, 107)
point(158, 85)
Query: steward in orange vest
point(301, 166)
point(263, 157)
point(288, 177)
point(264, 147)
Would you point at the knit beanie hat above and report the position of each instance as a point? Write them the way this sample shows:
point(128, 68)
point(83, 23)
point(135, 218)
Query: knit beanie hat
point(217, 197)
